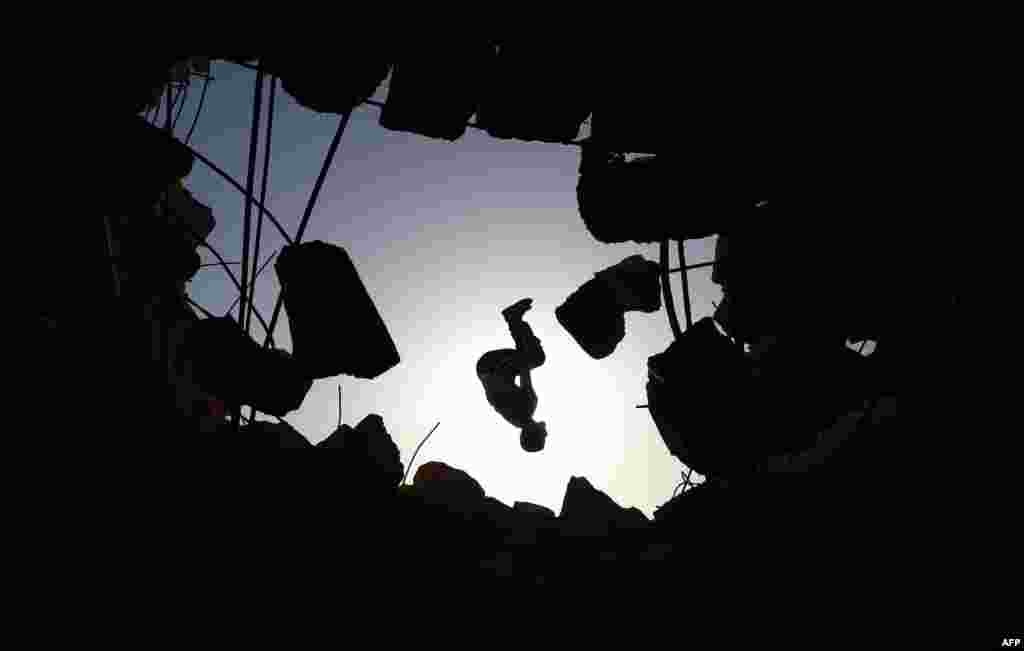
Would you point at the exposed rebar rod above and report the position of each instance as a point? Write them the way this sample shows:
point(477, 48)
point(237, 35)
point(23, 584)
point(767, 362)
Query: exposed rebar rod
point(685, 484)
point(199, 109)
point(259, 317)
point(234, 279)
point(263, 197)
point(238, 186)
point(170, 107)
point(222, 264)
point(258, 273)
point(158, 106)
point(181, 106)
point(688, 484)
point(199, 307)
point(200, 241)
point(331, 151)
point(328, 159)
point(666, 290)
point(699, 265)
point(250, 179)
point(418, 451)
point(686, 284)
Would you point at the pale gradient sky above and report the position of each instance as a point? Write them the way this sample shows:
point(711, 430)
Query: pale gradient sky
point(444, 235)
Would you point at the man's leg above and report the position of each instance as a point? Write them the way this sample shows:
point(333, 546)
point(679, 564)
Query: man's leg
point(498, 366)
point(516, 311)
point(531, 355)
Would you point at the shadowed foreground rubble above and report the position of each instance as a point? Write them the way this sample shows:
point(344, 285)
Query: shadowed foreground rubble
point(806, 444)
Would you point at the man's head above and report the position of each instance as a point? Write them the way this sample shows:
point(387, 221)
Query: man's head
point(531, 437)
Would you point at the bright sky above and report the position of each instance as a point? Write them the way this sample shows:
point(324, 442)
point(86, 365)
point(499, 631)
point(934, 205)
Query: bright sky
point(444, 235)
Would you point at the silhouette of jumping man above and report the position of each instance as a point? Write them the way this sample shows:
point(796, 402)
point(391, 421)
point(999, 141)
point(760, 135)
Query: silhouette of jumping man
point(497, 370)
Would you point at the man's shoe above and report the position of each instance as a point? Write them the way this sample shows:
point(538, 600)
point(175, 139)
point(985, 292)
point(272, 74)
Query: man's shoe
point(516, 311)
